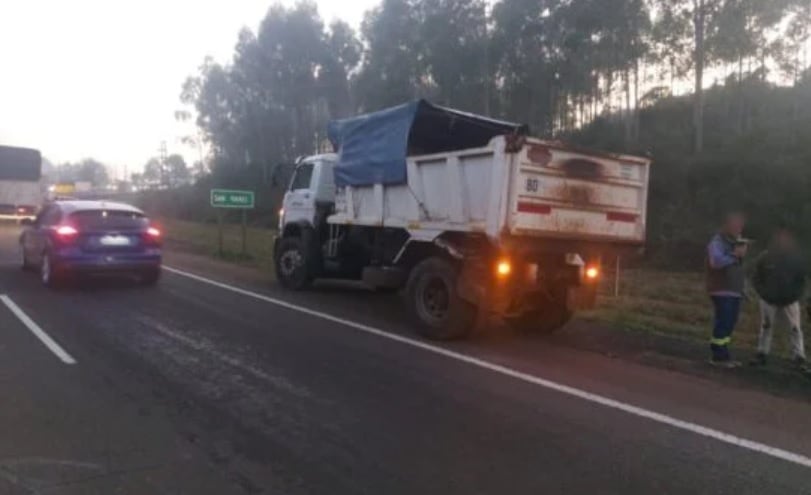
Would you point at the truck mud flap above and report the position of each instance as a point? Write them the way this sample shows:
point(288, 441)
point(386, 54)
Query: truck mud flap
point(581, 298)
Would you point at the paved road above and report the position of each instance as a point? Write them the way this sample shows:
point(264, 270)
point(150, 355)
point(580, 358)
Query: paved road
point(196, 388)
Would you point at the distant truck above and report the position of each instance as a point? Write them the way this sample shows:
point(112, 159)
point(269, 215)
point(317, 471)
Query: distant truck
point(20, 183)
point(62, 190)
point(464, 213)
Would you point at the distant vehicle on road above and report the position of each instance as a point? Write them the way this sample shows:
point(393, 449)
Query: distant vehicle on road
point(20, 183)
point(69, 189)
point(77, 238)
point(464, 213)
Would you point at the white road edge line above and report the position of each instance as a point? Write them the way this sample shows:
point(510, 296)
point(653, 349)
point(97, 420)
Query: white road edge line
point(37, 331)
point(558, 387)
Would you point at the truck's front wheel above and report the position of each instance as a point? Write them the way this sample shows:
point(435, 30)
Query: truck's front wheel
point(293, 268)
point(434, 302)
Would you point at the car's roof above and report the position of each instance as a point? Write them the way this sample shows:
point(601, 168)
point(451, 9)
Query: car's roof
point(75, 205)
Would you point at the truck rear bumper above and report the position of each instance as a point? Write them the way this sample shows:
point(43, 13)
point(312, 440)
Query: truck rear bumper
point(527, 287)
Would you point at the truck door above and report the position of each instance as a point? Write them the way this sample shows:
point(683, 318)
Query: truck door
point(299, 200)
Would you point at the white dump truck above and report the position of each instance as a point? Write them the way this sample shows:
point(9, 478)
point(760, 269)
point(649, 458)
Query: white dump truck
point(464, 214)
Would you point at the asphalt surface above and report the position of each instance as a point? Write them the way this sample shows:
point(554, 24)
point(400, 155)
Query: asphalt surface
point(194, 388)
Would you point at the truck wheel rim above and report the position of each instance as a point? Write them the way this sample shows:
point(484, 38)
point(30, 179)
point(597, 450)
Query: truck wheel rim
point(290, 262)
point(434, 300)
point(46, 269)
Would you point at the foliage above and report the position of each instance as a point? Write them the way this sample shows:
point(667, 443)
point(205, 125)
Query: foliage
point(763, 169)
point(600, 72)
point(169, 174)
point(87, 170)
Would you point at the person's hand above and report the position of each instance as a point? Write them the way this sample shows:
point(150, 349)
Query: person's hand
point(740, 250)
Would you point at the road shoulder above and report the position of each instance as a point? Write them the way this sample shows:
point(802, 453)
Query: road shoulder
point(666, 352)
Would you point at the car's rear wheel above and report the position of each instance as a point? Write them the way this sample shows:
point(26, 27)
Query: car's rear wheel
point(150, 278)
point(24, 263)
point(51, 273)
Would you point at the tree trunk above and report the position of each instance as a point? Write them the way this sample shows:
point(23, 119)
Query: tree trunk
point(628, 118)
point(582, 104)
point(741, 101)
point(609, 85)
point(699, 16)
point(636, 102)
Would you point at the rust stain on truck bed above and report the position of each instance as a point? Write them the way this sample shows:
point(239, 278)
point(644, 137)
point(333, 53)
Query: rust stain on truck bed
point(577, 194)
point(582, 168)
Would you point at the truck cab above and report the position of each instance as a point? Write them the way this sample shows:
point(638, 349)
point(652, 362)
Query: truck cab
point(311, 189)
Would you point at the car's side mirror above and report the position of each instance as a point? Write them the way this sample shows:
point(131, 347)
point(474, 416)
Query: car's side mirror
point(26, 222)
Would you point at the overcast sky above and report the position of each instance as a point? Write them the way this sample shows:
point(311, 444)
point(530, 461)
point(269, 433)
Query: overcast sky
point(101, 78)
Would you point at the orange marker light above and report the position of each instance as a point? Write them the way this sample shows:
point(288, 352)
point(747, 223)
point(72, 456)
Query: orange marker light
point(504, 268)
point(592, 272)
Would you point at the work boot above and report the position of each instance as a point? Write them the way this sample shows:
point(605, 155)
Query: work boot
point(725, 363)
point(758, 360)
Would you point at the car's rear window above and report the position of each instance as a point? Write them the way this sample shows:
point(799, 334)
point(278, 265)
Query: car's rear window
point(108, 219)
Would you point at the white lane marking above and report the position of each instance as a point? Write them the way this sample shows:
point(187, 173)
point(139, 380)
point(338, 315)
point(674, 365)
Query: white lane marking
point(548, 384)
point(37, 331)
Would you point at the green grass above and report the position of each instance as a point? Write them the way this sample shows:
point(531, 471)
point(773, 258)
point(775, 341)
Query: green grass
point(202, 238)
point(673, 304)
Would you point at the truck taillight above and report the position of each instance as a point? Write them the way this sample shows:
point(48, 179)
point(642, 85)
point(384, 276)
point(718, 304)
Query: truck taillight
point(592, 273)
point(153, 232)
point(503, 268)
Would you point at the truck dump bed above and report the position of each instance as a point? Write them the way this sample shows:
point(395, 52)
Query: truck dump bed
point(561, 192)
point(542, 190)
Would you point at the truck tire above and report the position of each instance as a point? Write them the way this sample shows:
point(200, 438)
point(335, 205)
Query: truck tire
point(293, 266)
point(434, 303)
point(550, 316)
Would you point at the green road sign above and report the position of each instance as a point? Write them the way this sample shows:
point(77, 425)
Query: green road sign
point(228, 198)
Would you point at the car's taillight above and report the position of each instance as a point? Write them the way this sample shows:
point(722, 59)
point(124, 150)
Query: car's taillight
point(66, 233)
point(153, 236)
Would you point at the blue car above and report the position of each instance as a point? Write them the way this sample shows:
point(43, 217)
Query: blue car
point(70, 238)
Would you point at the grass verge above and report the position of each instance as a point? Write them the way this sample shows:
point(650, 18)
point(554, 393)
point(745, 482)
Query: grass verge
point(202, 238)
point(674, 304)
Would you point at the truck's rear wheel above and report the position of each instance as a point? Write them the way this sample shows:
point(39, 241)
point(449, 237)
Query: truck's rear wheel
point(550, 315)
point(434, 302)
point(293, 268)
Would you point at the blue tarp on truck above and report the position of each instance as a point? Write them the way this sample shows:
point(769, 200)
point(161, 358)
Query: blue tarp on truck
point(372, 148)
